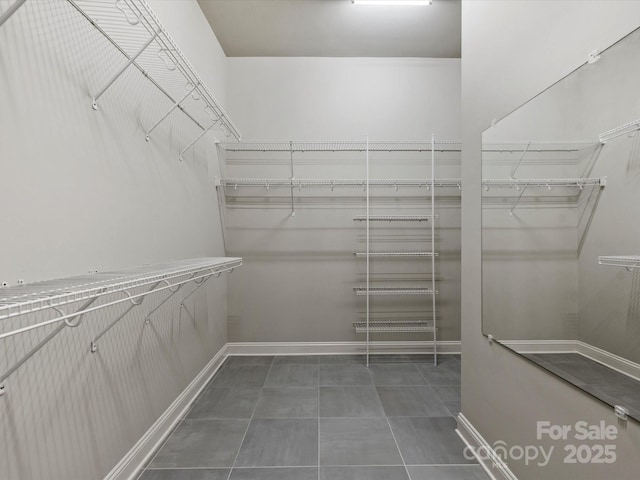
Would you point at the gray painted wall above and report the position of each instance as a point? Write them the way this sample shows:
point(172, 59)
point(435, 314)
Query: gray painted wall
point(502, 394)
point(82, 190)
point(298, 274)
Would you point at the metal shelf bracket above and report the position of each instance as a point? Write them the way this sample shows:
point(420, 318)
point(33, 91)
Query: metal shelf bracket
point(180, 156)
point(94, 104)
point(175, 105)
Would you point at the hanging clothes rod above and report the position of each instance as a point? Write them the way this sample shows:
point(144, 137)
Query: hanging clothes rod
point(289, 182)
point(342, 146)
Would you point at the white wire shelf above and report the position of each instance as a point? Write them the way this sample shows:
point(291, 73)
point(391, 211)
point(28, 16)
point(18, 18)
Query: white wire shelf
point(361, 291)
point(394, 326)
point(132, 27)
point(543, 182)
point(394, 218)
point(342, 146)
point(33, 297)
point(356, 182)
point(627, 128)
point(538, 145)
point(394, 254)
point(627, 261)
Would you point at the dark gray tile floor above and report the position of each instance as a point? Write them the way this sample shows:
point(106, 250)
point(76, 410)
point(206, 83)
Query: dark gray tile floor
point(602, 382)
point(321, 418)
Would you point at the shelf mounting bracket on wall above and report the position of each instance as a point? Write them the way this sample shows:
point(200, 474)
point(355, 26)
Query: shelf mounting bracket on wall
point(517, 165)
point(513, 208)
point(67, 323)
point(122, 70)
point(180, 156)
point(134, 304)
point(175, 105)
point(147, 318)
point(10, 11)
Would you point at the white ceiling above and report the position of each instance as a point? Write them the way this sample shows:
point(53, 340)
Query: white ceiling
point(334, 28)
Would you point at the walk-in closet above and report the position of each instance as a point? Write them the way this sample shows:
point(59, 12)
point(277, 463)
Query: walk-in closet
point(319, 240)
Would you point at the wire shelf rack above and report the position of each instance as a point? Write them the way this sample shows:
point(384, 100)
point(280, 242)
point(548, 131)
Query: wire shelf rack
point(627, 261)
point(132, 27)
point(33, 297)
point(342, 146)
point(360, 291)
point(355, 182)
point(544, 182)
point(394, 218)
point(627, 128)
point(394, 326)
point(538, 145)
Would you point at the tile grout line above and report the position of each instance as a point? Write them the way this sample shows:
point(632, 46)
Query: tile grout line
point(253, 412)
point(406, 469)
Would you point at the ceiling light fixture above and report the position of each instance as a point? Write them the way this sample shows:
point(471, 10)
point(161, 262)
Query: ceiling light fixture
point(393, 3)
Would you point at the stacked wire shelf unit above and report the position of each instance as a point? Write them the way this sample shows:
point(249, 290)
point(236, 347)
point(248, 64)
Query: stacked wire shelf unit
point(396, 326)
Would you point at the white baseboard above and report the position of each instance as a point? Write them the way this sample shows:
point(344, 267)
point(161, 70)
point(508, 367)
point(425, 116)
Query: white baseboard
point(128, 467)
point(596, 354)
point(541, 346)
point(490, 461)
point(329, 348)
point(611, 360)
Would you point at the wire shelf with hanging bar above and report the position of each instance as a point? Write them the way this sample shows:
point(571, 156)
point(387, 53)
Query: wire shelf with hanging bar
point(133, 28)
point(33, 297)
point(355, 182)
point(342, 146)
point(538, 146)
point(58, 295)
point(394, 218)
point(361, 291)
point(394, 326)
point(627, 261)
point(543, 182)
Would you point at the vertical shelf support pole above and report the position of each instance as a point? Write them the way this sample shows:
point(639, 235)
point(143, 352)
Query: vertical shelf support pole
point(293, 209)
point(367, 196)
point(433, 246)
point(121, 71)
point(175, 105)
point(11, 10)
